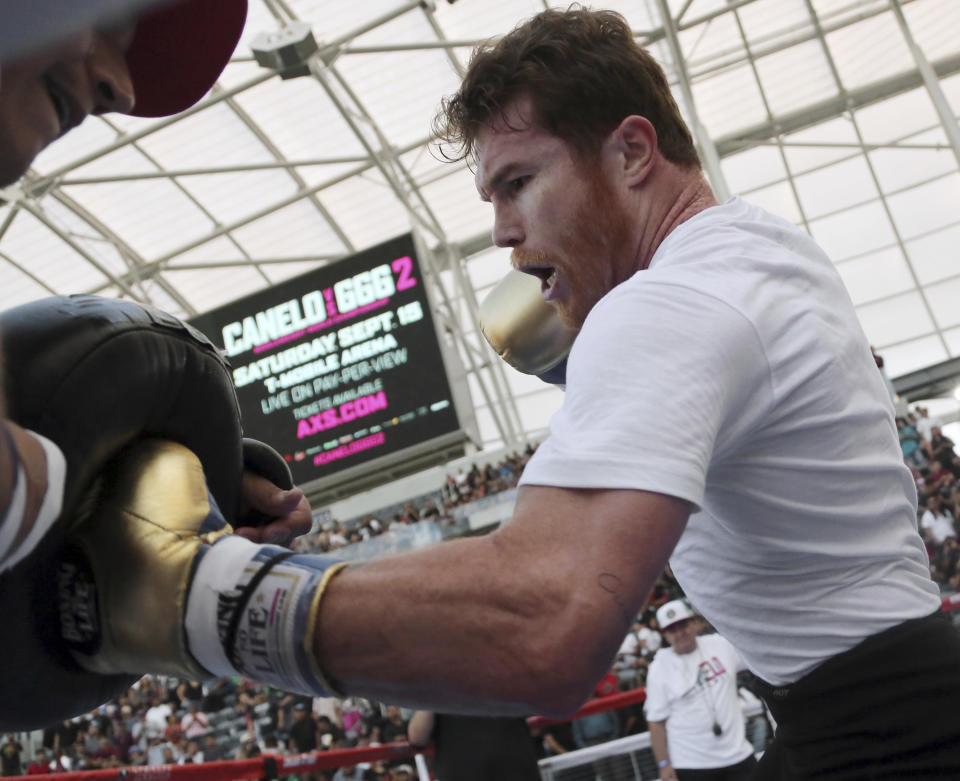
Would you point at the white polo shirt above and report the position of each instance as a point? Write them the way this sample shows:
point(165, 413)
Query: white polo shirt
point(691, 692)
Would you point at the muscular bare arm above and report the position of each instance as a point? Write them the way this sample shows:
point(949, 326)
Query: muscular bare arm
point(524, 620)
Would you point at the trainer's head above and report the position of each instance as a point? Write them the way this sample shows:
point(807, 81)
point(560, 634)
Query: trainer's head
point(582, 72)
point(156, 63)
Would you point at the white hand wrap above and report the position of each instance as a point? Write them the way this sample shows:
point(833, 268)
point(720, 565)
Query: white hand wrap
point(12, 551)
point(252, 611)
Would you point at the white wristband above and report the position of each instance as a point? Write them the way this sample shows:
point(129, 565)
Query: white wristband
point(276, 593)
point(49, 511)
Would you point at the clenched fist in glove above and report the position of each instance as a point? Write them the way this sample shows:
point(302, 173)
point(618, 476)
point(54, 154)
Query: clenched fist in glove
point(153, 580)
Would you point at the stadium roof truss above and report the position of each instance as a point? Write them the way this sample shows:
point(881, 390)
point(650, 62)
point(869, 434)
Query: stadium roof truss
point(840, 115)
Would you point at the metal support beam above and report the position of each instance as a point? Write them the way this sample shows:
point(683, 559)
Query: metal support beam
point(947, 117)
point(708, 150)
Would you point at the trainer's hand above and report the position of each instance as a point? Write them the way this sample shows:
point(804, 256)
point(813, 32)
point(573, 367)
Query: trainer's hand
point(289, 508)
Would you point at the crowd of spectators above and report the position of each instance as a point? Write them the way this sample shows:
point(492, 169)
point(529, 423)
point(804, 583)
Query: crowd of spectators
point(933, 460)
point(166, 721)
point(463, 488)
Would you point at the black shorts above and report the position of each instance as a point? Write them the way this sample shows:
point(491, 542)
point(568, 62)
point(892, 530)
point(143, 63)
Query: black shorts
point(889, 708)
point(742, 771)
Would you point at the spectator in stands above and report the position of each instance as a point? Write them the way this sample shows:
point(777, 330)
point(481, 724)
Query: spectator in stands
point(91, 738)
point(189, 691)
point(65, 734)
point(936, 523)
point(137, 756)
point(61, 761)
point(354, 710)
point(911, 444)
point(329, 735)
point(924, 423)
point(39, 766)
point(271, 743)
point(944, 561)
point(404, 772)
point(156, 716)
point(249, 747)
point(393, 729)
point(476, 748)
point(194, 722)
point(212, 750)
point(600, 728)
point(122, 737)
point(693, 712)
point(942, 449)
point(218, 691)
point(106, 754)
point(78, 751)
point(168, 755)
point(173, 731)
point(336, 538)
point(191, 753)
point(637, 648)
point(938, 478)
point(303, 731)
point(553, 740)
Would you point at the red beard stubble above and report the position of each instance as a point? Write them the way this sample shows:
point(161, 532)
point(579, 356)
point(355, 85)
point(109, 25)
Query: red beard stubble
point(593, 247)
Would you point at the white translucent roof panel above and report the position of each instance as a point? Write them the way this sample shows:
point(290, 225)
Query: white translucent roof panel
point(914, 354)
point(835, 187)
point(779, 199)
point(876, 275)
point(822, 144)
point(715, 40)
point(895, 319)
point(899, 167)
point(753, 168)
point(897, 117)
point(796, 77)
point(943, 298)
point(936, 256)
point(854, 232)
point(934, 27)
point(927, 207)
point(869, 50)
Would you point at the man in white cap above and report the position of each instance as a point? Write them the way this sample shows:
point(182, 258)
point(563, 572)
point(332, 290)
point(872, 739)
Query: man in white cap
point(694, 713)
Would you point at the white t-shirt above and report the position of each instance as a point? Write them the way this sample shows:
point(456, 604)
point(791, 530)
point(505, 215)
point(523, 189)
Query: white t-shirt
point(650, 638)
point(925, 425)
point(740, 380)
point(940, 525)
point(692, 691)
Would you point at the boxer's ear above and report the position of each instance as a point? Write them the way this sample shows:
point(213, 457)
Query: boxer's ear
point(635, 141)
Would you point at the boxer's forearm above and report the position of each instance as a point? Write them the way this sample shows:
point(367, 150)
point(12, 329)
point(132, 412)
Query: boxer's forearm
point(525, 620)
point(459, 627)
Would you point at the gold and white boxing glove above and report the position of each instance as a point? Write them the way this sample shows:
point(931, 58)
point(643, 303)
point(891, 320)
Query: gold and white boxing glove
point(153, 580)
point(523, 328)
